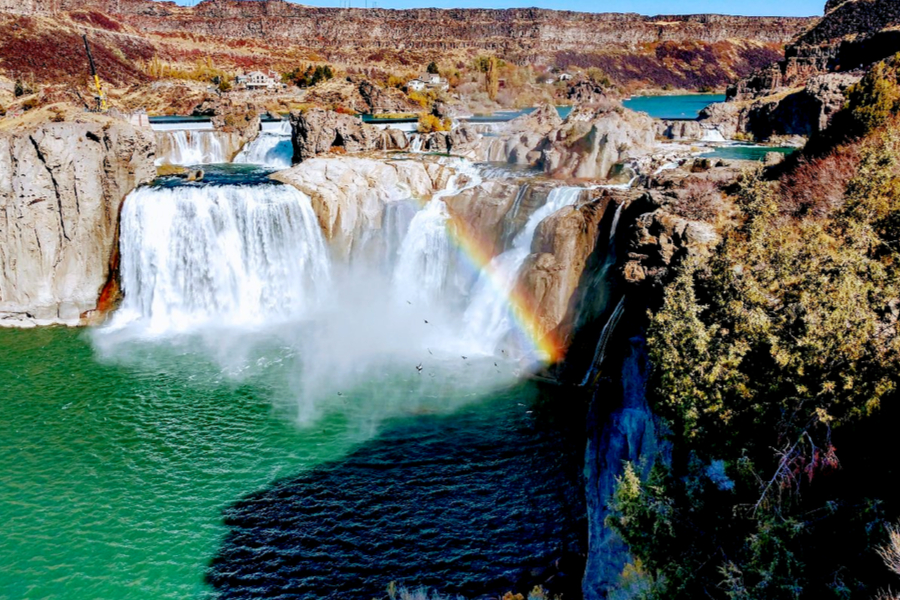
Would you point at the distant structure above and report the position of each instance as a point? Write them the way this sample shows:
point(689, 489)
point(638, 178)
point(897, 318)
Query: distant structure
point(428, 81)
point(258, 80)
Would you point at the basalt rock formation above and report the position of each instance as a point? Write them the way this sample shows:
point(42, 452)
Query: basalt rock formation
point(61, 187)
point(349, 194)
point(316, 131)
point(799, 94)
point(360, 95)
point(684, 51)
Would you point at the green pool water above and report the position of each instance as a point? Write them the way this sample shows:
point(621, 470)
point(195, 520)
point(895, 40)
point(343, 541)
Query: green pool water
point(118, 458)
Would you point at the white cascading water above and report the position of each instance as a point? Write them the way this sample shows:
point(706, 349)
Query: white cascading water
point(426, 256)
point(488, 319)
point(219, 255)
point(416, 140)
point(189, 147)
point(272, 147)
point(712, 135)
point(610, 326)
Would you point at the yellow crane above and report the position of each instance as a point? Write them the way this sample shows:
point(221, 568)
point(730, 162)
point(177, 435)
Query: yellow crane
point(101, 97)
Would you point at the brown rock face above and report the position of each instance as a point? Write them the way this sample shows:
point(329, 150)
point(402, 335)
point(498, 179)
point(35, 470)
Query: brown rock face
point(61, 188)
point(817, 67)
point(659, 239)
point(560, 251)
point(316, 131)
point(685, 51)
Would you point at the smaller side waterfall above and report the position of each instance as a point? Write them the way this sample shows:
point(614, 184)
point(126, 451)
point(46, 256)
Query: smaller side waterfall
point(488, 317)
point(416, 141)
point(189, 147)
point(271, 150)
point(610, 326)
point(426, 256)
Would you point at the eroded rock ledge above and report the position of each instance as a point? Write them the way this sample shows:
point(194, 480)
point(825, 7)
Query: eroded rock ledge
point(61, 188)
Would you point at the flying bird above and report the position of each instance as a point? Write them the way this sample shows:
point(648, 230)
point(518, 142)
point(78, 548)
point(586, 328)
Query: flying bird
point(426, 321)
point(465, 357)
point(429, 351)
point(419, 367)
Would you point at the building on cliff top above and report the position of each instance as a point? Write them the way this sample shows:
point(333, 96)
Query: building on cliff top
point(259, 80)
point(428, 81)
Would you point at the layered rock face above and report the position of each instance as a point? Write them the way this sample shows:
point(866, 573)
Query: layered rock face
point(683, 51)
point(529, 29)
point(799, 94)
point(61, 187)
point(803, 112)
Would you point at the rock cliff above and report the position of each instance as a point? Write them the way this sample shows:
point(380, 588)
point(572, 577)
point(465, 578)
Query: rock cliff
point(799, 94)
point(683, 51)
point(61, 187)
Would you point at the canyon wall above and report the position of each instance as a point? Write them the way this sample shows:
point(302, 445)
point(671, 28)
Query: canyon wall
point(61, 187)
point(799, 94)
point(528, 28)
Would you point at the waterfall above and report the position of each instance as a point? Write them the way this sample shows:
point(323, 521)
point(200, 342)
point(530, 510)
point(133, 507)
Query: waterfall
point(712, 135)
point(488, 317)
point(610, 326)
point(603, 341)
point(230, 254)
point(416, 140)
point(272, 150)
point(189, 147)
point(427, 253)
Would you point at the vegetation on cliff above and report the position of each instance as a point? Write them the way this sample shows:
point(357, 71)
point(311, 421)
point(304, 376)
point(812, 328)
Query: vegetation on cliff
point(776, 368)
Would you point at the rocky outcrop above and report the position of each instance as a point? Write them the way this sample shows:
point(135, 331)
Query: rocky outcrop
point(316, 131)
point(61, 187)
point(801, 112)
point(660, 239)
point(349, 194)
point(589, 144)
point(460, 141)
point(483, 211)
point(519, 142)
point(798, 95)
point(560, 251)
point(237, 124)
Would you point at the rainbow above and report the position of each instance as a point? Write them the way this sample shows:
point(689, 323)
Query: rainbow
point(479, 255)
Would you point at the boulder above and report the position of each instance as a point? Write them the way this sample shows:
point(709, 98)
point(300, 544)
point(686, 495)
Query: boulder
point(316, 131)
point(61, 189)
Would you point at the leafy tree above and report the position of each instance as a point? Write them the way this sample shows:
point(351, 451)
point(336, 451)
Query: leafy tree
point(432, 68)
point(19, 89)
point(788, 334)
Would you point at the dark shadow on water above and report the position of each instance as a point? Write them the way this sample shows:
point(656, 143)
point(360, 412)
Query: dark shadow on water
point(477, 503)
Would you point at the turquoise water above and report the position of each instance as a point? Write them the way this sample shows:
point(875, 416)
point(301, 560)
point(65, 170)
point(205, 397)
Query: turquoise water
point(120, 458)
point(673, 107)
point(756, 153)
